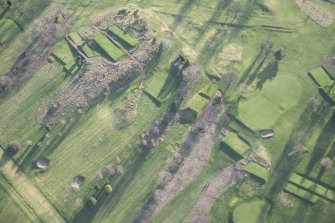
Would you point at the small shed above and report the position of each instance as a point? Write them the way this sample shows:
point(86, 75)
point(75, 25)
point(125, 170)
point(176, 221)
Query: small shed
point(42, 163)
point(265, 134)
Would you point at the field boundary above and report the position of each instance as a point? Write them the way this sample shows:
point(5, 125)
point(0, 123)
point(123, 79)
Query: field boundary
point(28, 192)
point(22, 204)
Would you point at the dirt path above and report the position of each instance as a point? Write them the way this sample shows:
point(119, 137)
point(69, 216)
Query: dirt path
point(196, 160)
point(28, 192)
point(201, 210)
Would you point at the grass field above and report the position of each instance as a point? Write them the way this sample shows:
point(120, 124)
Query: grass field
point(12, 206)
point(263, 108)
point(124, 37)
point(249, 212)
point(236, 144)
point(278, 99)
point(109, 48)
point(257, 170)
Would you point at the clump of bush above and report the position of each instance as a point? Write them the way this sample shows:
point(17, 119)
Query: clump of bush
point(13, 148)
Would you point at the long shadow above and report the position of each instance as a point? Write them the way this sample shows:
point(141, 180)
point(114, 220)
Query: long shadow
point(325, 139)
point(172, 83)
point(38, 151)
point(300, 134)
point(215, 44)
point(219, 9)
point(28, 158)
point(183, 11)
point(3, 13)
point(268, 74)
point(107, 203)
point(59, 139)
point(247, 72)
point(254, 74)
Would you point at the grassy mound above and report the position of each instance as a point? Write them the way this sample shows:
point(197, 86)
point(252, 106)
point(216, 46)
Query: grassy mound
point(262, 110)
point(108, 47)
point(65, 56)
point(236, 144)
point(257, 170)
point(250, 212)
point(290, 188)
point(76, 38)
point(197, 104)
point(125, 39)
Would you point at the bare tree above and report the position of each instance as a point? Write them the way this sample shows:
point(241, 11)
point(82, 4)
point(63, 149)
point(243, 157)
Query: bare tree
point(326, 163)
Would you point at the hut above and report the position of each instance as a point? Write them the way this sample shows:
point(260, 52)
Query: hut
point(265, 134)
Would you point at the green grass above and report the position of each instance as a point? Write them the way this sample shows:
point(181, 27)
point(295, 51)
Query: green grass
point(181, 205)
point(12, 206)
point(250, 212)
point(95, 140)
point(89, 50)
point(123, 36)
point(114, 52)
point(156, 84)
point(208, 91)
point(65, 56)
point(321, 77)
point(235, 143)
point(76, 38)
point(263, 108)
point(329, 68)
point(197, 103)
point(301, 193)
point(257, 170)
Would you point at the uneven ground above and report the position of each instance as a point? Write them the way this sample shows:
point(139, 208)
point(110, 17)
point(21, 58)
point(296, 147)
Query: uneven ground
point(275, 94)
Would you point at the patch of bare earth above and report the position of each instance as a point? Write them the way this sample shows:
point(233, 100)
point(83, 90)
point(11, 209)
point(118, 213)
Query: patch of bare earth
point(317, 13)
point(199, 143)
point(226, 178)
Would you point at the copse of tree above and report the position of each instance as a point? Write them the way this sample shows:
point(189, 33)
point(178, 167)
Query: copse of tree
point(13, 147)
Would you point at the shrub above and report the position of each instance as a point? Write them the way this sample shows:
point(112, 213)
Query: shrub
point(13, 147)
point(108, 188)
point(92, 202)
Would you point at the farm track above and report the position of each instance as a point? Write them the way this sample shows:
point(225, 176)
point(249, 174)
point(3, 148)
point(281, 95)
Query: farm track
point(29, 193)
point(226, 178)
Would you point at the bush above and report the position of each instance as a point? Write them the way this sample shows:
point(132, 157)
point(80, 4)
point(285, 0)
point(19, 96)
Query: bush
point(92, 202)
point(108, 188)
point(13, 147)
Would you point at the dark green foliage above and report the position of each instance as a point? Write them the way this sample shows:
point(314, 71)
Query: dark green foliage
point(13, 148)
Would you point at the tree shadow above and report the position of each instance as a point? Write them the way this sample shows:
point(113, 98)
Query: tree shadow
point(219, 9)
point(254, 74)
point(107, 203)
point(172, 83)
point(299, 135)
point(325, 139)
point(183, 11)
point(268, 73)
point(246, 73)
point(215, 44)
point(3, 13)
point(38, 151)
